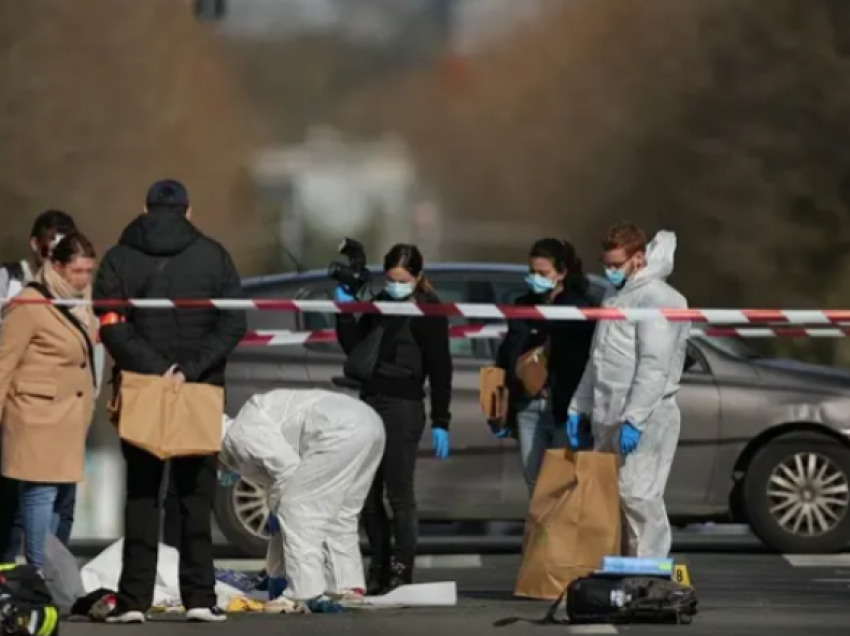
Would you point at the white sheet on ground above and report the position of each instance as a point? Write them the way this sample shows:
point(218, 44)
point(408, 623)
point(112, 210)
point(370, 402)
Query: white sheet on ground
point(105, 569)
point(442, 594)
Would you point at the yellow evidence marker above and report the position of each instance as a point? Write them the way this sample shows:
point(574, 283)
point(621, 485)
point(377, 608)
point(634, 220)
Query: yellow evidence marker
point(681, 575)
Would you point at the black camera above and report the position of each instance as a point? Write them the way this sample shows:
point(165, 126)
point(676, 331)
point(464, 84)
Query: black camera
point(355, 275)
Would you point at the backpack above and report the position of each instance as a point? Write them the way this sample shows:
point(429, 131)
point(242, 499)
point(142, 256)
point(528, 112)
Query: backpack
point(621, 600)
point(26, 606)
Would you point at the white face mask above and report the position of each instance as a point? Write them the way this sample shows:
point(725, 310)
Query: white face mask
point(399, 291)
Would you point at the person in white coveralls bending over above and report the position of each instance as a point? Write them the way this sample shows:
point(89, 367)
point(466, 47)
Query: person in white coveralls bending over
point(630, 383)
point(316, 453)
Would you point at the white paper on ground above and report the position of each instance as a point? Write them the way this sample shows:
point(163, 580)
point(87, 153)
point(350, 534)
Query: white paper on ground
point(105, 569)
point(442, 594)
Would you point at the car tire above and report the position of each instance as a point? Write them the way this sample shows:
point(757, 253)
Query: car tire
point(232, 527)
point(770, 498)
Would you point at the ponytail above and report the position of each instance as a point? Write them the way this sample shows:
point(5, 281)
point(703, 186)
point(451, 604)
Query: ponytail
point(424, 289)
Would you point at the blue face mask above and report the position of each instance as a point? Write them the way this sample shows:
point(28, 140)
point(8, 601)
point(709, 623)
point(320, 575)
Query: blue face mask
point(539, 284)
point(399, 291)
point(616, 277)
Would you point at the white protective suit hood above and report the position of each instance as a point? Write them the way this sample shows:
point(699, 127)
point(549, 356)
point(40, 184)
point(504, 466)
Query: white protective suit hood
point(660, 253)
point(633, 376)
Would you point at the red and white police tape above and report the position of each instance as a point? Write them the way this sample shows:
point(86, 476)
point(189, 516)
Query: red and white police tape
point(274, 338)
point(480, 311)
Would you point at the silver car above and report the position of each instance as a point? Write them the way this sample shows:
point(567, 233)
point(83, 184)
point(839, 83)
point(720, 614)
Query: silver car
point(763, 441)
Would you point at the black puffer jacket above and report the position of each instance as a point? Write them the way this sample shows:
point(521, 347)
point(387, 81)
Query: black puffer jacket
point(570, 343)
point(162, 255)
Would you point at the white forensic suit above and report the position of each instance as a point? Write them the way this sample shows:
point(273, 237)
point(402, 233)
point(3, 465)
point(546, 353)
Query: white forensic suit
point(317, 453)
point(633, 375)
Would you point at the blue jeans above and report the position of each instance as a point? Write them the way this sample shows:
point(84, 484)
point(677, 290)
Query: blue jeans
point(538, 432)
point(38, 505)
point(12, 532)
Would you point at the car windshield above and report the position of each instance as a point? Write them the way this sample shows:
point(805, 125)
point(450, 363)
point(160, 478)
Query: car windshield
point(734, 347)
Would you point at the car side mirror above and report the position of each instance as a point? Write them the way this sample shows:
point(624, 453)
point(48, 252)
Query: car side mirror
point(345, 383)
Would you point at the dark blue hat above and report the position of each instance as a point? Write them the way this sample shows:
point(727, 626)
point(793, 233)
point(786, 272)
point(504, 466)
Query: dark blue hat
point(167, 194)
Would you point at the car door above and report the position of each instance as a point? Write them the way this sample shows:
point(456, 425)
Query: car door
point(699, 403)
point(253, 369)
point(470, 484)
point(506, 289)
point(324, 359)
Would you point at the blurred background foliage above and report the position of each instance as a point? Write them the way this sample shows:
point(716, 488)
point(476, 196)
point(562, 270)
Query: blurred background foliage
point(724, 120)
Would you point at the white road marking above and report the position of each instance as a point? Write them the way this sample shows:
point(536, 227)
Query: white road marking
point(428, 562)
point(591, 629)
point(830, 580)
point(818, 560)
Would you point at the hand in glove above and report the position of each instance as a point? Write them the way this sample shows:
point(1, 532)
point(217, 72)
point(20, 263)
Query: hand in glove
point(629, 438)
point(440, 441)
point(573, 422)
point(342, 295)
point(273, 525)
point(227, 478)
point(500, 432)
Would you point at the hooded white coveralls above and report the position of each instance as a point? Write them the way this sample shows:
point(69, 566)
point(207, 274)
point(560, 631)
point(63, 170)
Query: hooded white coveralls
point(316, 452)
point(633, 375)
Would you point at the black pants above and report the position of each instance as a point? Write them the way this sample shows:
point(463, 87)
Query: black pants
point(194, 482)
point(404, 421)
point(171, 507)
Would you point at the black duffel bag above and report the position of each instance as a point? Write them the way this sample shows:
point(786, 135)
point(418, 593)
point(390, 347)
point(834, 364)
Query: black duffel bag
point(621, 600)
point(26, 606)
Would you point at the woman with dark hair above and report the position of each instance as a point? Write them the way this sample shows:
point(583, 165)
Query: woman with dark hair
point(47, 386)
point(555, 278)
point(403, 352)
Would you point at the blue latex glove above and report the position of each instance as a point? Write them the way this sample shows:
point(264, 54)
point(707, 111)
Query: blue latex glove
point(342, 295)
point(440, 441)
point(227, 478)
point(273, 525)
point(276, 587)
point(629, 438)
point(572, 431)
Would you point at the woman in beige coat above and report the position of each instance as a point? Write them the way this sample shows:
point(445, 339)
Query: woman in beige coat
point(47, 383)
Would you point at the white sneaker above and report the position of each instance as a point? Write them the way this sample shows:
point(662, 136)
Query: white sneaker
point(126, 618)
point(206, 615)
point(285, 605)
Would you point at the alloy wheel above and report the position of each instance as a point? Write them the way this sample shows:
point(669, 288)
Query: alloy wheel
point(251, 508)
point(809, 494)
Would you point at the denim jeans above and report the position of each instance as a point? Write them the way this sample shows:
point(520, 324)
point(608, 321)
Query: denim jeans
point(38, 503)
point(538, 432)
point(12, 531)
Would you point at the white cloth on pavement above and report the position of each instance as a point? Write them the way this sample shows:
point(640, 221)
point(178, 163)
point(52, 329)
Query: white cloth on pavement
point(633, 375)
point(105, 569)
point(317, 453)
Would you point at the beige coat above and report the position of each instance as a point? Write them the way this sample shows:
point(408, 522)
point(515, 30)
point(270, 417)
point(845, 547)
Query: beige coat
point(46, 394)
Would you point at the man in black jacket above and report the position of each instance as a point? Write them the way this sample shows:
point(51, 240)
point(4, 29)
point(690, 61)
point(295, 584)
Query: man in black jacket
point(162, 255)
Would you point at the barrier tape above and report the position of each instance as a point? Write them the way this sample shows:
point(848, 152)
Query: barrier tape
point(471, 310)
point(274, 338)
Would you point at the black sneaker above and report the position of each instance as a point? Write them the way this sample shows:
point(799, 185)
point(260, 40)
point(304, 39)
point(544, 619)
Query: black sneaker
point(206, 615)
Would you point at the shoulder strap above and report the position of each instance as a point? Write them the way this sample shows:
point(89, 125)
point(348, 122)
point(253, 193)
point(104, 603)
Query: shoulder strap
point(70, 317)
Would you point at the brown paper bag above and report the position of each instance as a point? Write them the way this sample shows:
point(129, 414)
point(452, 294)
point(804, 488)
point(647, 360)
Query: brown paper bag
point(573, 521)
point(532, 370)
point(169, 422)
point(494, 395)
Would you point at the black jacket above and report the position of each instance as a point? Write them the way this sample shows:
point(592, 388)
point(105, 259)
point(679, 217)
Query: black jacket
point(569, 350)
point(418, 345)
point(162, 255)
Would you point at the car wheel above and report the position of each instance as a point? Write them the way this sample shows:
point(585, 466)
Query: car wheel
point(797, 495)
point(241, 512)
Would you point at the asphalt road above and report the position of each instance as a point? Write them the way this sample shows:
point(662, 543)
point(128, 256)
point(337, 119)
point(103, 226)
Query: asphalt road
point(740, 594)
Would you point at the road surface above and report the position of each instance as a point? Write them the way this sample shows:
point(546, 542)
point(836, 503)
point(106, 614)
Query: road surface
point(739, 595)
